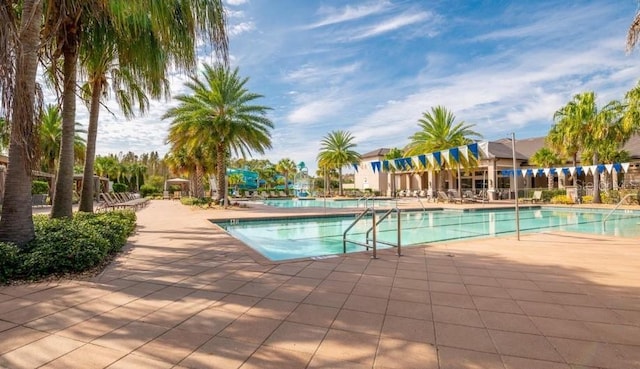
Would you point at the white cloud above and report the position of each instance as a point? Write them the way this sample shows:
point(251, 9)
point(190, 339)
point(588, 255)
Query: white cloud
point(310, 74)
point(315, 111)
point(236, 2)
point(392, 24)
point(240, 28)
point(350, 13)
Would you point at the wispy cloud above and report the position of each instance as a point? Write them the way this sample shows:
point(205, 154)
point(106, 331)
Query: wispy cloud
point(315, 111)
point(309, 73)
point(235, 2)
point(349, 13)
point(392, 24)
point(240, 28)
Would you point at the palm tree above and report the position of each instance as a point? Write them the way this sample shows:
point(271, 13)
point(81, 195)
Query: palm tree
point(286, 167)
point(394, 153)
point(631, 115)
point(634, 30)
point(235, 179)
point(597, 127)
point(19, 46)
point(220, 114)
point(546, 158)
point(51, 136)
point(178, 25)
point(439, 131)
point(336, 151)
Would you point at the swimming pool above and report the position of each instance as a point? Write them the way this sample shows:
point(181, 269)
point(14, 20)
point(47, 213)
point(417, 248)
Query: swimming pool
point(284, 239)
point(330, 203)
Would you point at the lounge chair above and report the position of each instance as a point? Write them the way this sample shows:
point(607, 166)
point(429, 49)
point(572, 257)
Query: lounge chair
point(537, 196)
point(443, 197)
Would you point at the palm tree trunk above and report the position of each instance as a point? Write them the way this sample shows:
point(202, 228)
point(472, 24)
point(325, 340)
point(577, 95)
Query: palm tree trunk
point(16, 224)
point(63, 198)
point(199, 188)
point(86, 197)
point(596, 181)
point(222, 171)
point(340, 181)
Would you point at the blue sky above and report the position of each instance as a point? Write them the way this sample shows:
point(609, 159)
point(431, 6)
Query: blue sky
point(373, 67)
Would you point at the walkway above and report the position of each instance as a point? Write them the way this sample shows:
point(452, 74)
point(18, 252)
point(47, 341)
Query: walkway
point(186, 295)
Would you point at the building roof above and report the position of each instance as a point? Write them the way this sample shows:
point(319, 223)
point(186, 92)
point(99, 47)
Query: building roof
point(633, 146)
point(376, 153)
point(503, 150)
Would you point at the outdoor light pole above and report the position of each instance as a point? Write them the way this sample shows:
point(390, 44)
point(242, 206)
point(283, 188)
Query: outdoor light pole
point(515, 184)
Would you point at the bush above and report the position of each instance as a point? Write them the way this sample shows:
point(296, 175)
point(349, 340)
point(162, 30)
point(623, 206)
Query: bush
point(115, 226)
point(193, 201)
point(587, 199)
point(67, 245)
point(562, 199)
point(548, 195)
point(119, 187)
point(63, 246)
point(39, 188)
point(147, 190)
point(9, 260)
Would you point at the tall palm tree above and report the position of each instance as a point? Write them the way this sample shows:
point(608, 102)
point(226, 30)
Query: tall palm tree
point(631, 114)
point(597, 127)
point(286, 167)
point(177, 24)
point(546, 157)
point(51, 136)
point(19, 46)
point(439, 131)
point(634, 31)
point(220, 114)
point(336, 151)
point(117, 61)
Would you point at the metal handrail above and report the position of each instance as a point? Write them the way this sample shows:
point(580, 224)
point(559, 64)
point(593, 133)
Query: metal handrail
point(616, 207)
point(421, 204)
point(398, 230)
point(365, 198)
point(344, 235)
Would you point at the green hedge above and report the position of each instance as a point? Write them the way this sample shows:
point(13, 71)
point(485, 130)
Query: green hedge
point(39, 188)
point(67, 245)
point(119, 187)
point(148, 190)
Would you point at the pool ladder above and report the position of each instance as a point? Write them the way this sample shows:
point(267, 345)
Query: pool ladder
point(604, 221)
point(373, 232)
point(366, 201)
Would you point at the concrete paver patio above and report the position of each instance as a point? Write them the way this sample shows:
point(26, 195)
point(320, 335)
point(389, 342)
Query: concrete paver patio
point(186, 295)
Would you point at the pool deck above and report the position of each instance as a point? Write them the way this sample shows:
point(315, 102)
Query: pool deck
point(184, 294)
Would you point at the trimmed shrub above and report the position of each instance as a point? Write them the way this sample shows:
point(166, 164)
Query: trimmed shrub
point(39, 188)
point(548, 195)
point(147, 190)
point(193, 201)
point(119, 187)
point(68, 245)
point(115, 226)
point(587, 199)
point(9, 260)
point(61, 246)
point(562, 199)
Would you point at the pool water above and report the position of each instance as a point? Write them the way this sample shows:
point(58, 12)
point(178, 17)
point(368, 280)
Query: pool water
point(283, 239)
point(330, 203)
